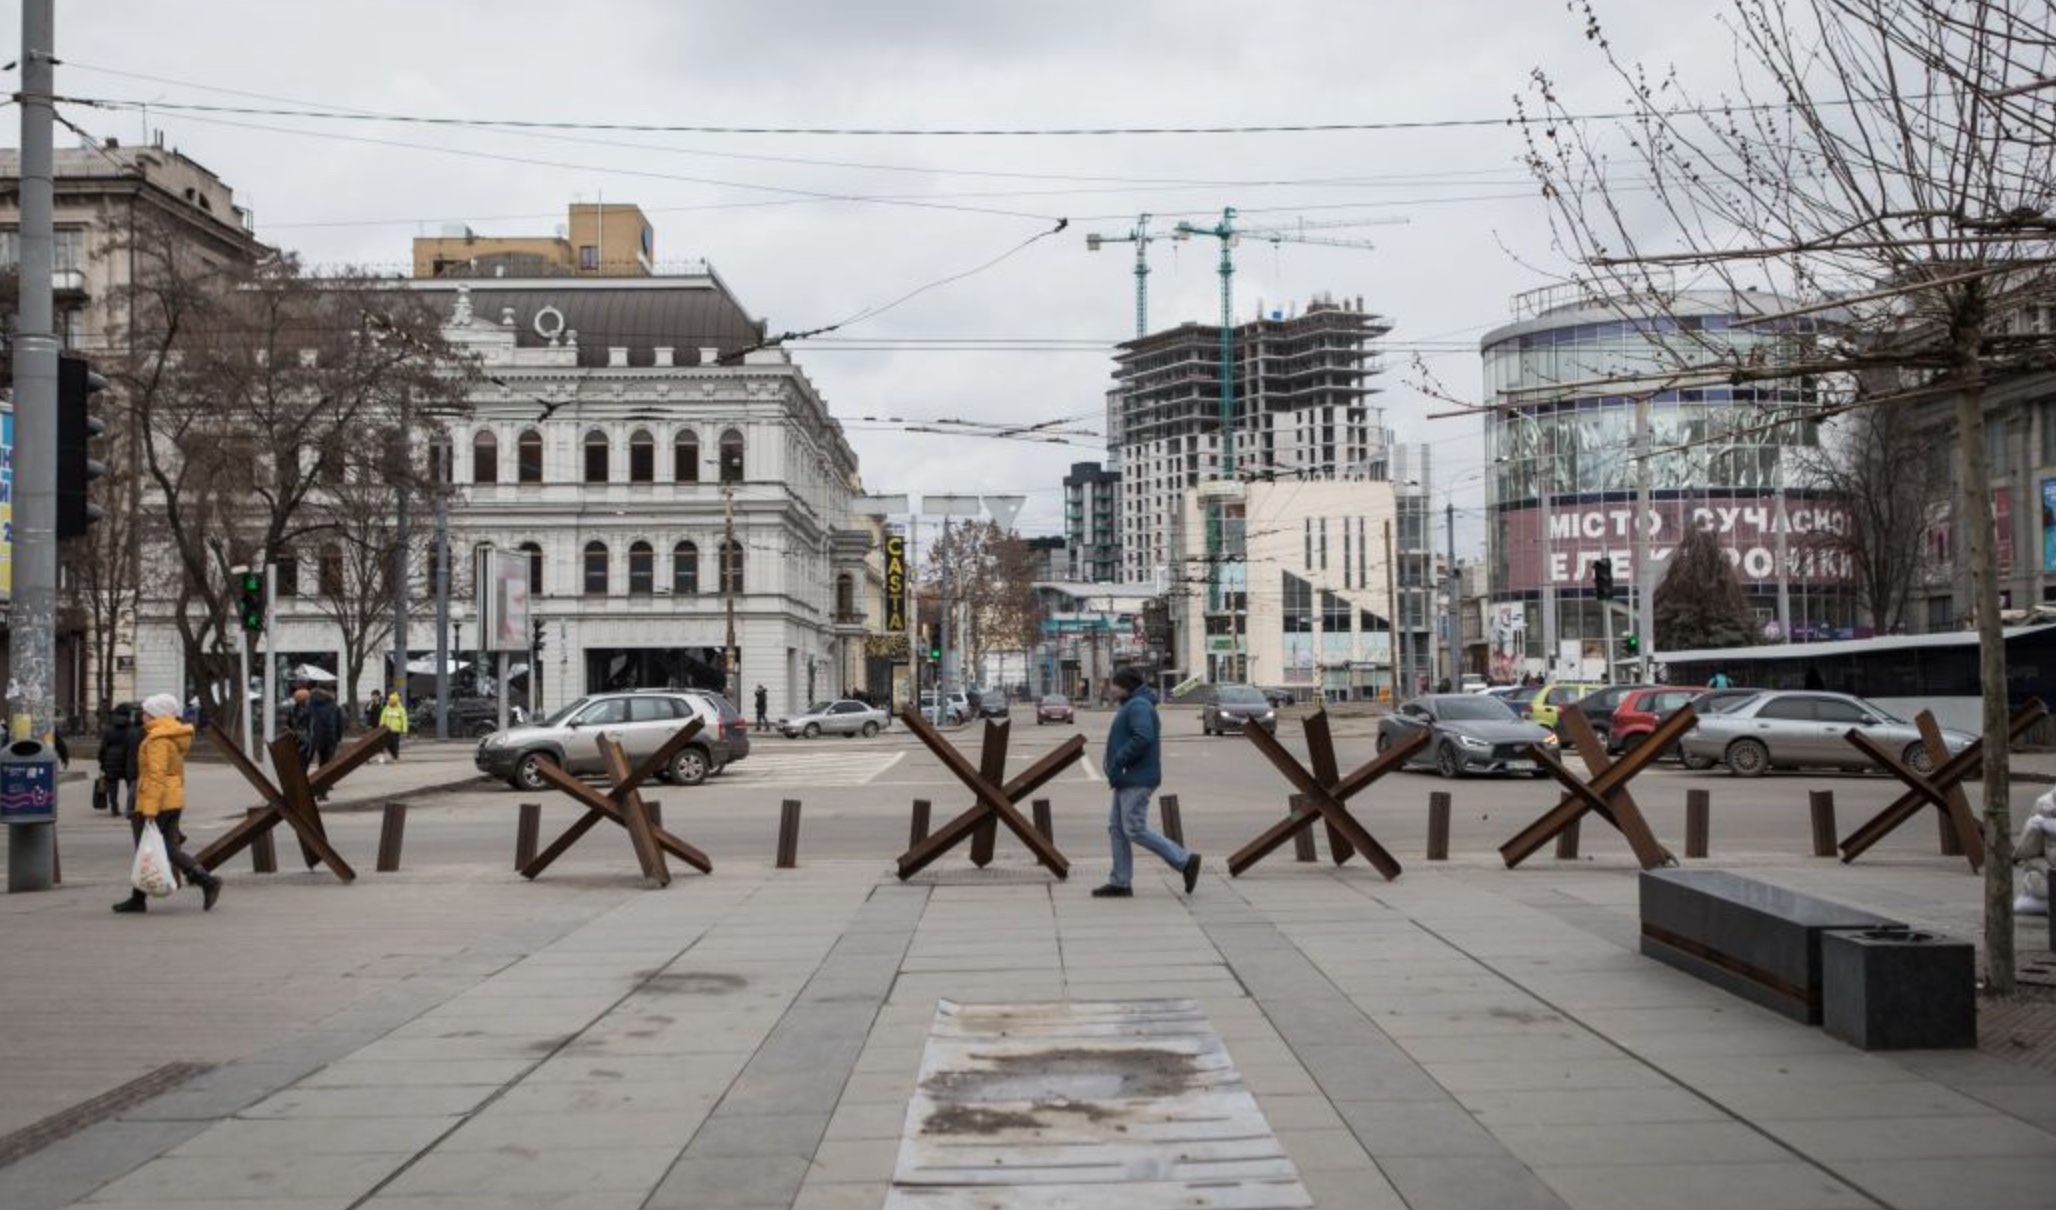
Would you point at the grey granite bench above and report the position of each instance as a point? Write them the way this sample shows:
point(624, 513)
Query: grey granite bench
point(1760, 942)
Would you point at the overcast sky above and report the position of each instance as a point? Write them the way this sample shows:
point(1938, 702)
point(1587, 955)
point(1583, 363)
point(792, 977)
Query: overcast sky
point(1473, 235)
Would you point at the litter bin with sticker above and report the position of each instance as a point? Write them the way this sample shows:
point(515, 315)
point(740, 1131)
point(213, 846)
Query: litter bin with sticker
point(28, 808)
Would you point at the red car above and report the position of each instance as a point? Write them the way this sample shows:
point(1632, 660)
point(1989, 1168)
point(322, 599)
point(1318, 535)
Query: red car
point(1643, 710)
point(1054, 708)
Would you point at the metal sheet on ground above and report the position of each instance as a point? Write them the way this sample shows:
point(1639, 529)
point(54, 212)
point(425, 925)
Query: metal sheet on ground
point(1106, 1105)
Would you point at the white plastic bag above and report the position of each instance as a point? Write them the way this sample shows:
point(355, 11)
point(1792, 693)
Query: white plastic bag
point(151, 873)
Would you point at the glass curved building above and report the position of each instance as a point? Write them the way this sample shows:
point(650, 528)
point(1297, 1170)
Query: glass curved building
point(1564, 380)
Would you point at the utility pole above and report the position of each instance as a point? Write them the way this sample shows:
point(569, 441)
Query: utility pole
point(1645, 577)
point(32, 621)
point(1450, 608)
point(942, 632)
point(730, 656)
point(439, 448)
point(403, 472)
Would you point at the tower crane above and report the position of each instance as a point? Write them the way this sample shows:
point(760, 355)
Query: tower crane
point(1140, 236)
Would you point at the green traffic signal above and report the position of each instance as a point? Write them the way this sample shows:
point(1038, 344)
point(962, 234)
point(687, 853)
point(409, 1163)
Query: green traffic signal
point(1633, 644)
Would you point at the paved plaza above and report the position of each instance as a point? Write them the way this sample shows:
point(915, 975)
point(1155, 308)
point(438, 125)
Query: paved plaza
point(452, 1036)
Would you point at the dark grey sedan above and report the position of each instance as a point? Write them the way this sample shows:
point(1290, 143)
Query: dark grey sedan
point(1470, 733)
point(1229, 708)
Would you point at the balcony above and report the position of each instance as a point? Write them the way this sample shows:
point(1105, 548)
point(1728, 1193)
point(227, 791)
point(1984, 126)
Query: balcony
point(848, 622)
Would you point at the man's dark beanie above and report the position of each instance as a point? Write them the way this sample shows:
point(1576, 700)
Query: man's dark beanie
point(1128, 678)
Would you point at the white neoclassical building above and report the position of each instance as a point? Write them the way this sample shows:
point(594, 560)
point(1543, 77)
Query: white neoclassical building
point(620, 428)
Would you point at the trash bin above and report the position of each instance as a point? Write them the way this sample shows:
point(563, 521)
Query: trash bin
point(28, 806)
point(1898, 989)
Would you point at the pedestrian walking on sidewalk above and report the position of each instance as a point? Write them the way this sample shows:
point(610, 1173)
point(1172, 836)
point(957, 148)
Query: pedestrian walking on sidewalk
point(763, 709)
point(301, 724)
point(1134, 767)
point(394, 719)
point(161, 796)
point(118, 742)
point(324, 729)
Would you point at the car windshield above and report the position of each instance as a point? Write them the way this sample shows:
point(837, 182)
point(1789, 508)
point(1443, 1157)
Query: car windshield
point(1881, 712)
point(564, 714)
point(1056, 699)
point(1240, 695)
point(1478, 709)
point(819, 707)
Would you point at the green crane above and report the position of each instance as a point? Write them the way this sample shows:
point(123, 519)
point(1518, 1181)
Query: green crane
point(1140, 236)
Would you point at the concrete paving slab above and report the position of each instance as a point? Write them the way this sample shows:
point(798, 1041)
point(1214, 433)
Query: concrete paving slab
point(1780, 1185)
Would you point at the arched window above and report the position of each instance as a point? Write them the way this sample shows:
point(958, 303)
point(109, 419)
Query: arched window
point(731, 457)
point(685, 569)
point(528, 455)
point(685, 457)
point(485, 457)
point(642, 457)
point(642, 570)
point(535, 569)
point(595, 456)
point(328, 575)
point(596, 569)
point(731, 567)
point(845, 597)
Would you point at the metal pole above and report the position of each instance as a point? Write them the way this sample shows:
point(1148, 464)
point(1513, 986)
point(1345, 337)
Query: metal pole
point(438, 446)
point(1784, 571)
point(1391, 620)
point(243, 692)
point(270, 698)
point(1448, 609)
point(32, 640)
point(731, 657)
point(1545, 479)
point(1606, 640)
point(942, 636)
point(402, 472)
point(1644, 577)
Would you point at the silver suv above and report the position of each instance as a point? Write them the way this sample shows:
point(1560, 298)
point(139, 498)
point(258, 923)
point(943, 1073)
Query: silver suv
point(640, 721)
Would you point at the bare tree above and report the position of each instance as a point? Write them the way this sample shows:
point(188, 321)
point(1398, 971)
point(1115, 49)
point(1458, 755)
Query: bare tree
point(990, 572)
point(1886, 163)
point(241, 383)
point(1884, 472)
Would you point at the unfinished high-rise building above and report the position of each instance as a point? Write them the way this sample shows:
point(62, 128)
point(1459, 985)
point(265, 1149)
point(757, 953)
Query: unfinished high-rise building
point(1302, 409)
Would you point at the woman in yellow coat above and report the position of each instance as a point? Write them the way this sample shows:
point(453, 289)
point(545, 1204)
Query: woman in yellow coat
point(161, 795)
point(394, 719)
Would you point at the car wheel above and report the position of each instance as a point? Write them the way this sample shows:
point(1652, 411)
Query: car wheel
point(1916, 759)
point(1447, 763)
point(1697, 764)
point(811, 730)
point(1748, 758)
point(528, 771)
point(870, 729)
point(689, 767)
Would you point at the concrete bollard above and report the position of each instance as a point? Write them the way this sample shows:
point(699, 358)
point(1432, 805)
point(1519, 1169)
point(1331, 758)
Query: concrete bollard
point(919, 831)
point(789, 834)
point(1820, 804)
point(1043, 822)
point(1302, 840)
point(1698, 821)
point(1173, 820)
point(264, 849)
point(527, 834)
point(1567, 842)
point(392, 833)
point(1438, 825)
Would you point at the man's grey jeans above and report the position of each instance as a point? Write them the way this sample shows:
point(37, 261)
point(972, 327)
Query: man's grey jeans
point(1128, 826)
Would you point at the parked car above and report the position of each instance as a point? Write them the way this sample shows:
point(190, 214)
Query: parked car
point(992, 704)
point(1470, 734)
point(1471, 682)
point(1598, 708)
point(1788, 729)
point(1713, 701)
point(1232, 707)
point(1516, 697)
point(1279, 697)
point(956, 709)
point(1054, 708)
point(845, 717)
point(641, 721)
point(1641, 711)
point(1553, 697)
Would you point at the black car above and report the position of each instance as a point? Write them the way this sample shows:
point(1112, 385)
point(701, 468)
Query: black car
point(1279, 697)
point(1597, 707)
point(1469, 733)
point(469, 716)
point(1230, 708)
point(992, 704)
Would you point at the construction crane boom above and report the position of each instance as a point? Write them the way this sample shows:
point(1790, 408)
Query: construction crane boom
point(1140, 236)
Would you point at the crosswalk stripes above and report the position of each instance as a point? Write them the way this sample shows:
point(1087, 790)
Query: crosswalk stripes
point(809, 765)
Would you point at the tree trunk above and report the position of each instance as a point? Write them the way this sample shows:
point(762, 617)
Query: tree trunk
point(1991, 638)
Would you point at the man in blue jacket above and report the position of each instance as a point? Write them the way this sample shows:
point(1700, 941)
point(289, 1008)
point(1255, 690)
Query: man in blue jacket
point(1134, 769)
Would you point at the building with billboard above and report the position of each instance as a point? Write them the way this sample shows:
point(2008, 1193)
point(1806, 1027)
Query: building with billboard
point(1565, 380)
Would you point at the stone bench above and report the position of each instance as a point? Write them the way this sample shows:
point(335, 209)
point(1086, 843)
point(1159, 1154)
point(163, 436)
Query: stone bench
point(1760, 942)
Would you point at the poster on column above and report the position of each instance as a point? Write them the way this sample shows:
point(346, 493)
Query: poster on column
point(2049, 525)
point(503, 600)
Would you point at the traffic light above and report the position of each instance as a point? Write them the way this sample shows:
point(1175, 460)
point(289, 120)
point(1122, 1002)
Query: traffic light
point(76, 428)
point(1632, 644)
point(250, 599)
point(536, 639)
point(1602, 578)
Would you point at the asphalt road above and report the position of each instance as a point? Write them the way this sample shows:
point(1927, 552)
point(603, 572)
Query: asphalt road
point(856, 796)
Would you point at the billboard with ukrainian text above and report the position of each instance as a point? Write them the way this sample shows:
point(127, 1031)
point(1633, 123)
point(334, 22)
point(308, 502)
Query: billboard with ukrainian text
point(6, 502)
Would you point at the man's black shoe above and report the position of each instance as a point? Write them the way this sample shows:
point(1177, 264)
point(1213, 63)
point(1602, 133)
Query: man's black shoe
point(1191, 872)
point(1110, 891)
